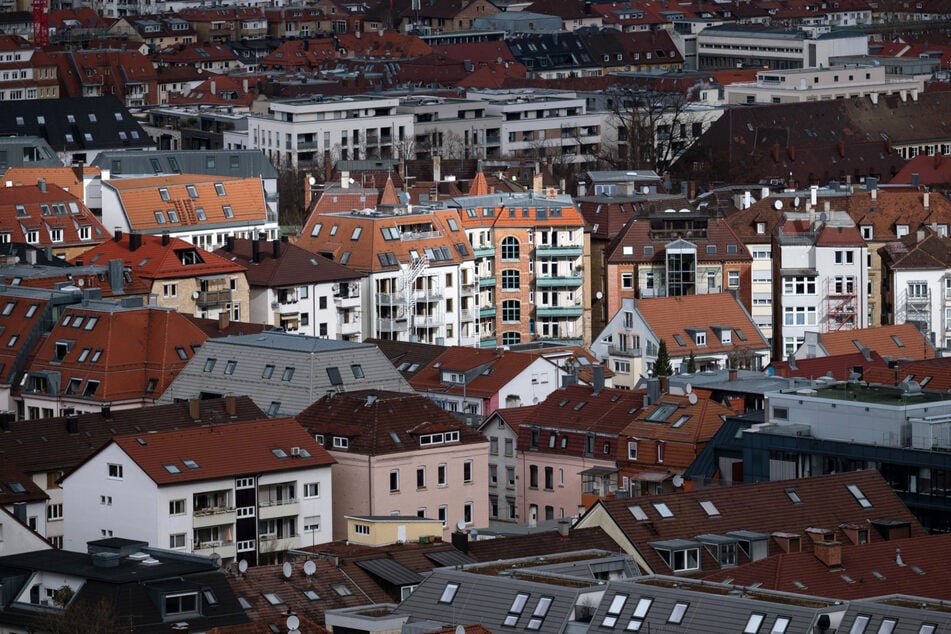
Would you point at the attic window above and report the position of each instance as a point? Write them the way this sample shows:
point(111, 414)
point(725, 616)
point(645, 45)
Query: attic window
point(342, 590)
point(638, 513)
point(709, 508)
point(754, 623)
point(333, 373)
point(679, 340)
point(539, 614)
point(898, 341)
point(449, 593)
point(793, 496)
point(310, 594)
point(680, 609)
point(859, 496)
point(680, 421)
point(614, 610)
point(663, 509)
point(279, 453)
point(288, 374)
point(273, 599)
point(356, 233)
point(219, 189)
point(191, 464)
point(181, 353)
point(172, 468)
point(518, 604)
point(316, 230)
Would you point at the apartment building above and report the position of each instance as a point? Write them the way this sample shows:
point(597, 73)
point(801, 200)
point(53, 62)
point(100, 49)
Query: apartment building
point(420, 274)
point(819, 84)
point(182, 276)
point(246, 491)
point(200, 209)
point(401, 454)
point(302, 132)
point(453, 128)
point(531, 250)
point(299, 291)
point(26, 72)
point(821, 260)
point(731, 45)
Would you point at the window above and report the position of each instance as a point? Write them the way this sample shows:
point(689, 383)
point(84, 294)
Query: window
point(533, 476)
point(509, 447)
point(511, 311)
point(627, 280)
point(494, 445)
point(678, 612)
point(176, 507)
point(54, 512)
point(733, 279)
point(844, 257)
point(518, 604)
point(449, 593)
point(288, 374)
point(539, 614)
point(859, 496)
point(510, 248)
point(268, 371)
point(663, 510)
point(228, 211)
point(799, 286)
point(614, 610)
point(361, 529)
point(859, 624)
point(781, 624)
point(753, 623)
point(219, 189)
point(341, 442)
point(421, 477)
point(230, 366)
point(467, 512)
point(312, 523)
point(442, 514)
point(632, 450)
point(467, 471)
point(510, 279)
point(312, 489)
point(441, 475)
point(115, 471)
point(394, 481)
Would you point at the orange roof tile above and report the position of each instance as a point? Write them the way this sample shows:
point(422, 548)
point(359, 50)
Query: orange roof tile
point(221, 451)
point(29, 208)
point(897, 341)
point(165, 203)
point(479, 186)
point(65, 177)
point(672, 318)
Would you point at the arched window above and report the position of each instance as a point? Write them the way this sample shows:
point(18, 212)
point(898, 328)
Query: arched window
point(509, 248)
point(511, 310)
point(510, 279)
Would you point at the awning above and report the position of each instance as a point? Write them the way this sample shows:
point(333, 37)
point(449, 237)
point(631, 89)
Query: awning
point(599, 471)
point(652, 476)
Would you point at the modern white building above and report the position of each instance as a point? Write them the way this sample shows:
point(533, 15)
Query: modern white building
point(823, 263)
point(739, 45)
point(823, 84)
point(452, 128)
point(243, 491)
point(302, 132)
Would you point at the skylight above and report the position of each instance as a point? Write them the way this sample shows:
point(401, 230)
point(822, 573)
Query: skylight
point(793, 496)
point(859, 496)
point(663, 509)
point(172, 468)
point(637, 512)
point(710, 508)
point(449, 593)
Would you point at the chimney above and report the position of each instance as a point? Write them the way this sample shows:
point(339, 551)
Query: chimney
point(915, 179)
point(231, 406)
point(653, 390)
point(564, 528)
point(117, 235)
point(732, 374)
point(747, 200)
point(5, 419)
point(115, 276)
point(213, 86)
point(829, 553)
point(135, 241)
point(194, 409)
point(927, 200)
point(276, 248)
point(41, 183)
point(72, 423)
point(223, 320)
point(165, 239)
point(255, 251)
point(788, 542)
point(244, 86)
point(460, 541)
point(792, 362)
point(345, 180)
point(598, 379)
point(764, 193)
point(813, 195)
point(664, 384)
point(581, 188)
point(229, 243)
point(538, 184)
point(106, 411)
point(437, 169)
point(874, 194)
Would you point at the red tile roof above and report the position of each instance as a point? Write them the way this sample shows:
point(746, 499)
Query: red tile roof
point(293, 265)
point(839, 367)
point(222, 451)
point(913, 567)
point(28, 208)
point(155, 260)
point(911, 342)
point(931, 374)
point(16, 323)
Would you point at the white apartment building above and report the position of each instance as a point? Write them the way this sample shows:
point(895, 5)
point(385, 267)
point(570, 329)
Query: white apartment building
point(302, 132)
point(246, 491)
point(822, 260)
point(544, 125)
point(823, 84)
point(453, 128)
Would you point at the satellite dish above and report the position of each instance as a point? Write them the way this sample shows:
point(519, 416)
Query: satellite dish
point(777, 205)
point(243, 566)
point(309, 567)
point(645, 189)
point(293, 622)
point(688, 388)
point(312, 180)
point(196, 295)
point(216, 560)
point(795, 202)
point(287, 570)
point(678, 480)
point(460, 629)
point(461, 524)
point(692, 398)
point(599, 295)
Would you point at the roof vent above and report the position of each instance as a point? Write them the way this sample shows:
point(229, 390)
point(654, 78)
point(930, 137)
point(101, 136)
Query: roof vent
point(150, 561)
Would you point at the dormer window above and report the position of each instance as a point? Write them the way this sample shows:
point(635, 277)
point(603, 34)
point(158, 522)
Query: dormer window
point(901, 231)
point(700, 338)
point(760, 228)
point(679, 554)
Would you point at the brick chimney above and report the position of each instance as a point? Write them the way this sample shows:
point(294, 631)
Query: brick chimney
point(829, 553)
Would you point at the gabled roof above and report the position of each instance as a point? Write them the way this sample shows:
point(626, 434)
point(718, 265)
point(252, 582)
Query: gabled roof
point(230, 163)
point(486, 371)
point(840, 366)
point(377, 422)
point(174, 202)
point(102, 352)
point(70, 179)
point(909, 566)
point(61, 443)
point(647, 240)
point(222, 451)
point(45, 209)
point(16, 486)
point(409, 357)
point(541, 543)
point(673, 318)
point(160, 257)
point(898, 341)
point(21, 313)
point(762, 508)
point(292, 265)
point(931, 374)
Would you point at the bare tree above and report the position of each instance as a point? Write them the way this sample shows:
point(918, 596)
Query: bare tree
point(82, 617)
point(653, 128)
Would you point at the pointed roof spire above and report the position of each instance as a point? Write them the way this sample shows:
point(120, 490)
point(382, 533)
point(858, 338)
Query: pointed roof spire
point(389, 197)
point(479, 187)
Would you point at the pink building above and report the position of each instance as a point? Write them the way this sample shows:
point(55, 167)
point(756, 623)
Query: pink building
point(401, 454)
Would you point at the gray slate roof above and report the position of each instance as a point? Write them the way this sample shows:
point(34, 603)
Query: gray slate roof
point(249, 163)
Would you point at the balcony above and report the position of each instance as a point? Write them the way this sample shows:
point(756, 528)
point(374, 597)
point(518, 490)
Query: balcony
point(213, 299)
point(224, 548)
point(467, 314)
point(274, 510)
point(388, 324)
point(573, 281)
point(487, 282)
point(558, 311)
point(307, 145)
point(428, 321)
point(617, 351)
point(487, 251)
point(555, 250)
point(469, 288)
point(216, 516)
point(487, 312)
point(389, 299)
point(350, 327)
point(428, 294)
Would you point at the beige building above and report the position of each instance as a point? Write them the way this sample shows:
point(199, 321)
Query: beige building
point(382, 530)
point(823, 84)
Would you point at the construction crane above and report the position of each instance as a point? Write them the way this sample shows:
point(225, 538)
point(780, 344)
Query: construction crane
point(41, 23)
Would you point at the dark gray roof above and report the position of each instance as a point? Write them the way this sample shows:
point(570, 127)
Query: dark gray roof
point(390, 571)
point(92, 123)
point(28, 151)
point(909, 614)
point(450, 558)
point(240, 163)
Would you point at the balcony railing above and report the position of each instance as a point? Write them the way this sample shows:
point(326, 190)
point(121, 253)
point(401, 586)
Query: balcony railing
point(208, 299)
point(553, 281)
point(391, 325)
point(550, 250)
point(559, 311)
point(617, 351)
